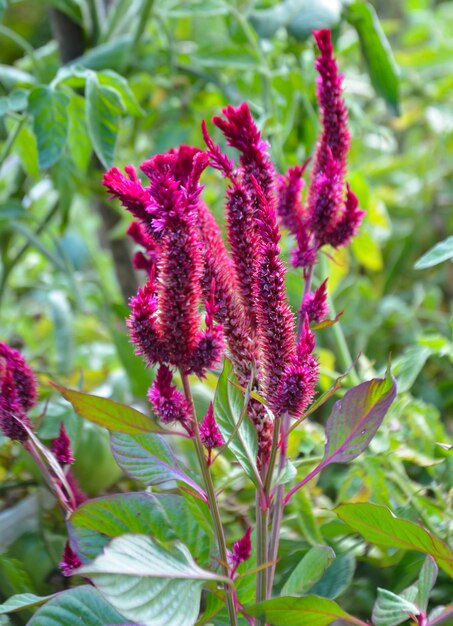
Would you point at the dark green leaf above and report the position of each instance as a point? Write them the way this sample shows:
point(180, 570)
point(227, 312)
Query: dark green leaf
point(78, 139)
point(22, 601)
point(12, 209)
point(50, 123)
point(337, 578)
point(121, 86)
point(376, 51)
point(82, 606)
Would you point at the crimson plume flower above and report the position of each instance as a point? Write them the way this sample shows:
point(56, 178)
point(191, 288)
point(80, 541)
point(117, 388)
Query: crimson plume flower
point(70, 561)
point(289, 200)
point(241, 551)
point(61, 447)
point(314, 304)
point(17, 393)
point(146, 260)
point(169, 403)
point(210, 435)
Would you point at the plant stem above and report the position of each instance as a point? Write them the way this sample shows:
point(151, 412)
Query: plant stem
point(212, 501)
point(262, 521)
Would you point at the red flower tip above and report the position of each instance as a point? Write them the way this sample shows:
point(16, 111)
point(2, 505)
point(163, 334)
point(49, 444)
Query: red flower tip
point(314, 305)
point(210, 435)
point(17, 393)
point(169, 403)
point(129, 190)
point(217, 159)
point(146, 260)
point(61, 447)
point(242, 550)
point(70, 561)
point(289, 205)
point(349, 223)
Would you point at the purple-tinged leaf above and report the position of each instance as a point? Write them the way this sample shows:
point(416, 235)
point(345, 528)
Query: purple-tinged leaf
point(356, 417)
point(150, 459)
point(353, 423)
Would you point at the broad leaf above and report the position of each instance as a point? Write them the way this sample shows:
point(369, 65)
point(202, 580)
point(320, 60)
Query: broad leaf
point(426, 582)
point(82, 606)
point(378, 525)
point(50, 123)
point(376, 51)
point(108, 413)
point(150, 459)
point(355, 419)
point(391, 610)
point(307, 611)
point(442, 251)
point(22, 601)
point(103, 107)
point(228, 405)
point(164, 516)
point(308, 571)
point(78, 140)
point(121, 86)
point(149, 584)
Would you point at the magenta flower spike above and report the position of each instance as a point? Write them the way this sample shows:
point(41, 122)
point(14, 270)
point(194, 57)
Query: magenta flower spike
point(17, 393)
point(129, 190)
point(242, 551)
point(314, 304)
point(289, 198)
point(349, 223)
point(61, 447)
point(147, 259)
point(70, 561)
point(168, 402)
point(210, 435)
point(242, 133)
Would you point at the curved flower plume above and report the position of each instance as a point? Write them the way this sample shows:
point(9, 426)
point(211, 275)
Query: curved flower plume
point(314, 304)
point(210, 434)
point(165, 317)
point(289, 200)
point(168, 402)
point(17, 393)
point(61, 447)
point(128, 189)
point(147, 259)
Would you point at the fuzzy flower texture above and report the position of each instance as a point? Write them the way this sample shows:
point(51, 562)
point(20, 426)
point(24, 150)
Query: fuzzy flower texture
point(241, 283)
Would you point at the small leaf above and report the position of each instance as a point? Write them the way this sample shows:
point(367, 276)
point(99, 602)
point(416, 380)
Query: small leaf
point(228, 405)
point(121, 86)
point(307, 611)
point(103, 107)
point(27, 149)
point(442, 251)
point(390, 609)
point(22, 601)
point(108, 413)
point(82, 606)
point(11, 76)
point(148, 583)
point(355, 419)
point(426, 581)
point(50, 123)
point(378, 525)
point(308, 571)
point(150, 459)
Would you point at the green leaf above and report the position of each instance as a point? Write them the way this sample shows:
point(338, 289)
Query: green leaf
point(308, 571)
point(82, 606)
point(150, 459)
point(376, 50)
point(426, 582)
point(228, 404)
point(78, 139)
point(50, 123)
point(108, 413)
point(408, 366)
point(11, 77)
point(337, 578)
point(121, 86)
point(149, 584)
point(102, 108)
point(378, 525)
point(27, 148)
point(22, 601)
point(305, 517)
point(307, 611)
point(164, 516)
point(390, 609)
point(12, 209)
point(442, 251)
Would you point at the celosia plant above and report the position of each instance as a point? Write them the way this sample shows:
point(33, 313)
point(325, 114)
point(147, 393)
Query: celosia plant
point(205, 301)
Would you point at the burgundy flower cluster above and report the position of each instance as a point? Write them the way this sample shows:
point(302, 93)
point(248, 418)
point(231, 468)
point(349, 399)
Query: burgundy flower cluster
point(242, 287)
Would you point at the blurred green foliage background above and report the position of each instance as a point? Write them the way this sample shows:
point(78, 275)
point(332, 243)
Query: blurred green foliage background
point(85, 84)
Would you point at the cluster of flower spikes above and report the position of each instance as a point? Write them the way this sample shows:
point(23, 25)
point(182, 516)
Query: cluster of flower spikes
point(17, 393)
point(330, 214)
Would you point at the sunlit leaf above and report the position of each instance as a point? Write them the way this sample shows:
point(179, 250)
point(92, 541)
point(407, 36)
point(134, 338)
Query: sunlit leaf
point(308, 571)
point(441, 252)
point(307, 611)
